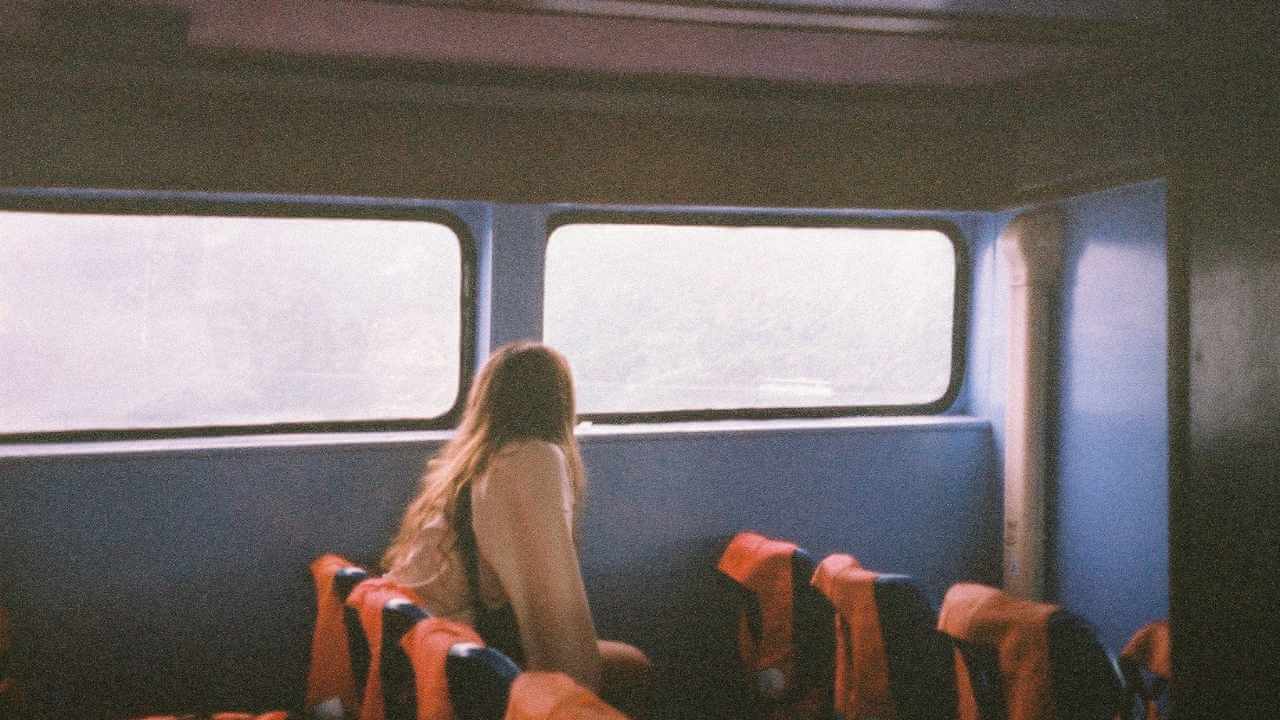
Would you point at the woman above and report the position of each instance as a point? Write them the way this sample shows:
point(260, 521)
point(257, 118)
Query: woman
point(489, 539)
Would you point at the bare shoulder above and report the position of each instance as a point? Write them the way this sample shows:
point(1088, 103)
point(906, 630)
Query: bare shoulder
point(524, 468)
point(530, 453)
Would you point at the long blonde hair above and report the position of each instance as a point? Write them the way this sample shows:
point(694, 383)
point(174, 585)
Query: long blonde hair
point(524, 391)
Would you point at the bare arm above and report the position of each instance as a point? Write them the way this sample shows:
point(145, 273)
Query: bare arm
point(523, 529)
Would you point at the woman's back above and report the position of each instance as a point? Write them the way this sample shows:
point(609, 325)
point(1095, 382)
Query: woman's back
point(521, 512)
point(522, 515)
point(494, 521)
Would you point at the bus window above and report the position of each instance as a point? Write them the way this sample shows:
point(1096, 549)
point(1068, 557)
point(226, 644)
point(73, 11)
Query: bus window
point(132, 322)
point(719, 320)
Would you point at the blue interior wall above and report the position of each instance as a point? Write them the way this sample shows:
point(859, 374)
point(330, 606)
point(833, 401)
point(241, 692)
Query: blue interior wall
point(1108, 492)
point(1110, 512)
point(988, 329)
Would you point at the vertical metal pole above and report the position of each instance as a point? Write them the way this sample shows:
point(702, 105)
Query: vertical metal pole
point(1032, 244)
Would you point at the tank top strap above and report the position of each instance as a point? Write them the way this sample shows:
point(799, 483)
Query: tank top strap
point(465, 532)
point(498, 626)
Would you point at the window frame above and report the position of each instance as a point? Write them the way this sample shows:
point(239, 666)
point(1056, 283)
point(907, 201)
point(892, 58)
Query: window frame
point(253, 205)
point(750, 218)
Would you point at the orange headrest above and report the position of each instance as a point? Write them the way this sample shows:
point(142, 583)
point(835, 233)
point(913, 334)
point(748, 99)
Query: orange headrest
point(1018, 631)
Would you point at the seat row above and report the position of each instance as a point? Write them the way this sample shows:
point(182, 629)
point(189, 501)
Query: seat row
point(378, 655)
point(834, 639)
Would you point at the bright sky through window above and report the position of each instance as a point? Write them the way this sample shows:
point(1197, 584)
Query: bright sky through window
point(667, 318)
point(156, 321)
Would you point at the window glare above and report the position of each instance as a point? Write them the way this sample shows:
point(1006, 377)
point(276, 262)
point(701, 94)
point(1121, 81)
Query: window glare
point(119, 321)
point(664, 317)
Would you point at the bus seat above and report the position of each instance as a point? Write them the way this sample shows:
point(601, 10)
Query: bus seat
point(399, 616)
point(331, 685)
point(345, 581)
point(890, 659)
point(424, 667)
point(1046, 660)
point(786, 627)
point(555, 696)
point(372, 600)
point(979, 687)
point(1147, 664)
point(442, 669)
point(814, 632)
point(479, 681)
point(1086, 680)
point(921, 673)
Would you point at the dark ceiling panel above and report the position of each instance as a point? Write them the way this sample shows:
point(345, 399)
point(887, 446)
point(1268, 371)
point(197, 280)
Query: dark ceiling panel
point(623, 46)
point(862, 44)
point(1152, 11)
